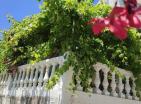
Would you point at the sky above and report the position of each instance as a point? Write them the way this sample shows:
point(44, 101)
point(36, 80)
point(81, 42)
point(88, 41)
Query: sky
point(95, 1)
point(18, 9)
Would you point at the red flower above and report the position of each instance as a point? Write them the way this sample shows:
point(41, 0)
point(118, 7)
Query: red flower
point(116, 23)
point(119, 19)
point(131, 3)
point(133, 13)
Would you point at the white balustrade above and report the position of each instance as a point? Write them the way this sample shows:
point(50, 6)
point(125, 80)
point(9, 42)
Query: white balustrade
point(119, 87)
point(30, 81)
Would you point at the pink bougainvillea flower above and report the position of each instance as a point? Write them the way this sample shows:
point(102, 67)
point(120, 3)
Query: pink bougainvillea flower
point(133, 13)
point(118, 20)
point(119, 14)
point(98, 24)
point(131, 3)
point(115, 22)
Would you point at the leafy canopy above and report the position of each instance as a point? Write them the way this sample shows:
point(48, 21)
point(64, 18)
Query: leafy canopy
point(61, 27)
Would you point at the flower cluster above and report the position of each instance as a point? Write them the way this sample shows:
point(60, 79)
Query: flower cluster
point(119, 20)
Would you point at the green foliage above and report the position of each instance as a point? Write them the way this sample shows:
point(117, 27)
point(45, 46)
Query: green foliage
point(61, 27)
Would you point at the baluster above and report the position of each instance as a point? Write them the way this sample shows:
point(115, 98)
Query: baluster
point(4, 80)
point(18, 80)
point(120, 88)
point(139, 95)
point(15, 80)
point(134, 90)
point(97, 80)
point(105, 81)
point(113, 84)
point(127, 88)
point(26, 80)
point(79, 87)
point(46, 77)
point(31, 77)
point(0, 80)
point(0, 84)
point(9, 85)
point(3, 85)
point(25, 83)
point(53, 69)
point(90, 89)
point(35, 79)
point(20, 84)
point(9, 81)
point(40, 80)
point(34, 88)
point(22, 79)
point(14, 85)
point(0, 77)
point(32, 74)
point(18, 89)
point(6, 88)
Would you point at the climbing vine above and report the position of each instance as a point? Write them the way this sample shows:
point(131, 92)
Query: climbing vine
point(61, 27)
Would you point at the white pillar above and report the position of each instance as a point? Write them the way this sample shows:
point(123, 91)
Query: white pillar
point(134, 90)
point(113, 84)
point(105, 81)
point(22, 79)
point(121, 87)
point(97, 79)
point(127, 88)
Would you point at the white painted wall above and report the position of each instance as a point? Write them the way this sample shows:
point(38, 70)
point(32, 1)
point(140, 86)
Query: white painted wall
point(87, 98)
